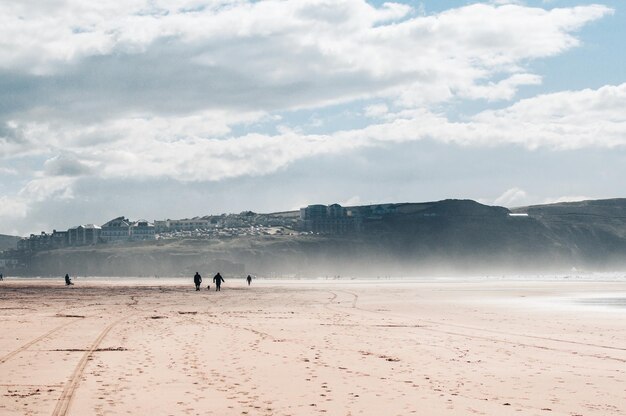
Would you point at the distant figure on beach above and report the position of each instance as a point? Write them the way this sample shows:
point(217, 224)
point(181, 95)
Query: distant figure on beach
point(249, 279)
point(68, 281)
point(197, 279)
point(218, 279)
point(1, 277)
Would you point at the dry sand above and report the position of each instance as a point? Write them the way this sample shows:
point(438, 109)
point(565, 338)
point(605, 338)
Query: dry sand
point(286, 348)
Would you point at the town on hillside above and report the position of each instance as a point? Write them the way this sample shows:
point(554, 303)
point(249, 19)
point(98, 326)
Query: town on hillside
point(313, 219)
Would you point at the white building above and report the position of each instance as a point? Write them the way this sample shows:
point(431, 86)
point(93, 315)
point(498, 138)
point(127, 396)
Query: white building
point(84, 235)
point(161, 226)
point(183, 225)
point(118, 229)
point(142, 230)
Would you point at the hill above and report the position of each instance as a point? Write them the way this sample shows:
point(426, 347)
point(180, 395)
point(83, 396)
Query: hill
point(8, 241)
point(443, 237)
point(592, 231)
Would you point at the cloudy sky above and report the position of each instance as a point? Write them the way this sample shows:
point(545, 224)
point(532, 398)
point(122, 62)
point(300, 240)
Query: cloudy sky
point(176, 108)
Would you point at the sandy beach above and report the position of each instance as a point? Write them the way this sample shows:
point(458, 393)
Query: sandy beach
point(158, 347)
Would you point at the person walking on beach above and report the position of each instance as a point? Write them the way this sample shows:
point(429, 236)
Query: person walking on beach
point(218, 279)
point(249, 279)
point(1, 277)
point(197, 279)
point(68, 281)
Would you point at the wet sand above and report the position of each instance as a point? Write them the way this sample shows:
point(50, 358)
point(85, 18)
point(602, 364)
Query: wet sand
point(158, 347)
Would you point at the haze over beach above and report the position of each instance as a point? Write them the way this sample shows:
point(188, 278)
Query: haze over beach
point(297, 207)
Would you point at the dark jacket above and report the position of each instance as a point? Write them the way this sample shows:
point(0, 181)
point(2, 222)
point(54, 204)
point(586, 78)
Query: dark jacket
point(218, 279)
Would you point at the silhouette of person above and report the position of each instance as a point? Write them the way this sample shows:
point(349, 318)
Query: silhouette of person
point(197, 279)
point(1, 277)
point(68, 281)
point(218, 279)
point(249, 279)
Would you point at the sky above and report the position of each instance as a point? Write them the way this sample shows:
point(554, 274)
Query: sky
point(159, 109)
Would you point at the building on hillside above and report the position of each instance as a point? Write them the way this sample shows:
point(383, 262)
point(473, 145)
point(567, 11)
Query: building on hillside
point(72, 236)
point(37, 242)
point(234, 221)
point(142, 230)
point(23, 244)
point(26, 243)
point(84, 235)
point(91, 234)
point(118, 229)
point(161, 226)
point(332, 219)
point(313, 212)
point(59, 239)
point(336, 211)
point(182, 225)
point(43, 241)
point(8, 264)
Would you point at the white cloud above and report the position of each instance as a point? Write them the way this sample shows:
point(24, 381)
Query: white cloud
point(192, 56)
point(44, 188)
point(37, 190)
point(355, 200)
point(12, 208)
point(7, 171)
point(63, 31)
point(59, 136)
point(169, 148)
point(512, 197)
point(565, 120)
point(501, 90)
point(376, 110)
point(66, 165)
point(135, 74)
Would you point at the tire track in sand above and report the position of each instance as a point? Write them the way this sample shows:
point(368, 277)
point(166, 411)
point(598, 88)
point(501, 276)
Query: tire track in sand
point(36, 340)
point(64, 402)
